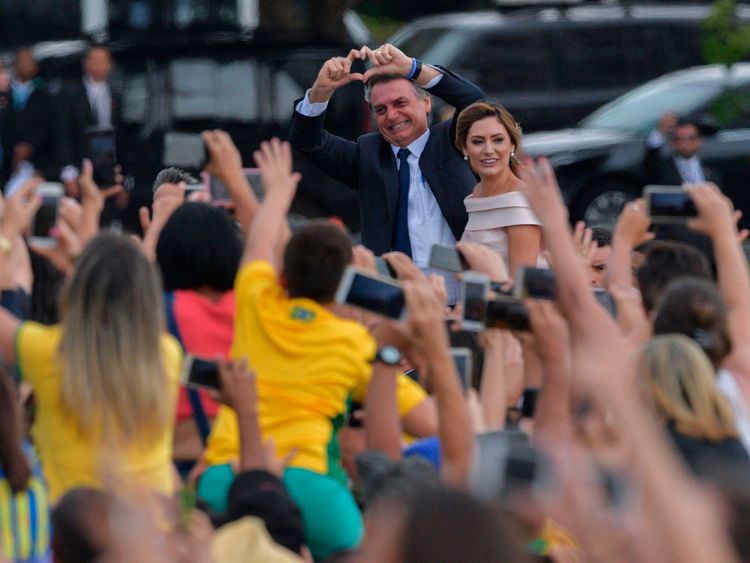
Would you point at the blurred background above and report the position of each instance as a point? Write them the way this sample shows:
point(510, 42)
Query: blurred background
point(238, 65)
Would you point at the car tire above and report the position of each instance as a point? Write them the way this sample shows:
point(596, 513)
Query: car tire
point(600, 204)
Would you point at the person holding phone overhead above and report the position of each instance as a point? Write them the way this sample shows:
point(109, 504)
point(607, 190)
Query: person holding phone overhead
point(499, 215)
point(409, 176)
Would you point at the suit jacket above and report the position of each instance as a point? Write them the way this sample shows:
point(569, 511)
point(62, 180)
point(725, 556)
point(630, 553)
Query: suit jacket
point(661, 169)
point(368, 165)
point(75, 116)
point(32, 124)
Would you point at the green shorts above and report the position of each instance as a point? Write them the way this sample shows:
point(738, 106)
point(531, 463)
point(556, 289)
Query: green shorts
point(330, 515)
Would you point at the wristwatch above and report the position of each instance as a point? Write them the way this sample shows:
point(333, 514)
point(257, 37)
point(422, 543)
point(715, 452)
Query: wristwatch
point(388, 355)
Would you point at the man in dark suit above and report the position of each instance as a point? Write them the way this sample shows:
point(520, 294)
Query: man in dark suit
point(683, 165)
point(411, 179)
point(27, 133)
point(89, 107)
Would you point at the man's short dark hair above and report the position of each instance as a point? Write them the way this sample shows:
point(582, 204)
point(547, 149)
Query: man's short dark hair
point(383, 78)
point(314, 261)
point(80, 526)
point(602, 236)
point(173, 176)
point(199, 246)
point(666, 261)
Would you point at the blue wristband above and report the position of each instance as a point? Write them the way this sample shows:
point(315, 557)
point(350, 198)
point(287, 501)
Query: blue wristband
point(413, 69)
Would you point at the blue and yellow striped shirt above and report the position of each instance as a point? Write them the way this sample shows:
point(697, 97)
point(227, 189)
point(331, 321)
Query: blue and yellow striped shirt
point(24, 518)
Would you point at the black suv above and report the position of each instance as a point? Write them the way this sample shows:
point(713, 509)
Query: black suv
point(551, 67)
point(600, 164)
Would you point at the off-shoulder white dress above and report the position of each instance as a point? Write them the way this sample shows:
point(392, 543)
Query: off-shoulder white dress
point(489, 217)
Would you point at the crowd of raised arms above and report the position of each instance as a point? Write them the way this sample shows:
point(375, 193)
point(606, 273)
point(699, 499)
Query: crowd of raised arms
point(605, 421)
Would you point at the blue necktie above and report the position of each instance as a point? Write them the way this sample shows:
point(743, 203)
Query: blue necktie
point(401, 240)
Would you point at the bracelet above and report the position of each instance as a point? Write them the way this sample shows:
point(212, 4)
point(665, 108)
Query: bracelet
point(417, 70)
point(413, 69)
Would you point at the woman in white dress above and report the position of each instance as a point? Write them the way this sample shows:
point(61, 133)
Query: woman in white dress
point(499, 215)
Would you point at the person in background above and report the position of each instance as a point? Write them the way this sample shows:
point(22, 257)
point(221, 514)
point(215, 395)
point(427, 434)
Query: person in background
point(499, 215)
point(24, 508)
point(27, 134)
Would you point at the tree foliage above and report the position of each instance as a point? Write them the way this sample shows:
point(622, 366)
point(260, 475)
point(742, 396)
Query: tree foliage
point(726, 40)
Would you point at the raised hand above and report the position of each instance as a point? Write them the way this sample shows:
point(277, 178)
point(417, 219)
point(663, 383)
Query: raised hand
point(715, 211)
point(225, 159)
point(632, 226)
point(482, 258)
point(335, 73)
point(541, 189)
point(387, 59)
point(274, 158)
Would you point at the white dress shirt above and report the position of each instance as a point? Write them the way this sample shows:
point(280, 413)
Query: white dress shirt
point(689, 169)
point(100, 100)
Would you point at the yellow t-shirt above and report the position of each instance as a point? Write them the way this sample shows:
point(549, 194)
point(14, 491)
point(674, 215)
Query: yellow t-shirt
point(307, 362)
point(70, 458)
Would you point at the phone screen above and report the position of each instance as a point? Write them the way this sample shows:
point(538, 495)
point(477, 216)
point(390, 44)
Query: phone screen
point(46, 216)
point(184, 150)
point(446, 258)
point(671, 203)
point(375, 295)
point(537, 283)
point(203, 373)
point(462, 361)
point(507, 313)
point(474, 301)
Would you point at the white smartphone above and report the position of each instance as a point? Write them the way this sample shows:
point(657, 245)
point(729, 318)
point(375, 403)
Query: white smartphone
point(474, 292)
point(377, 294)
point(45, 218)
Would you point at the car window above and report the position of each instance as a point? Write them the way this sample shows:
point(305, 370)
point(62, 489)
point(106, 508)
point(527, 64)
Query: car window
point(645, 58)
point(154, 15)
point(589, 57)
point(639, 110)
point(512, 62)
point(438, 46)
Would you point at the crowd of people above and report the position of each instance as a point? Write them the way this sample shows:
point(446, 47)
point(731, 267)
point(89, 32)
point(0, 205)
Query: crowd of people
point(337, 434)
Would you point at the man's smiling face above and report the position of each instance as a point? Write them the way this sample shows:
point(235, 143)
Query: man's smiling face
point(400, 113)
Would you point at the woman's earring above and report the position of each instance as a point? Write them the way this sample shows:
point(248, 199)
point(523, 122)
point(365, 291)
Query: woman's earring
point(466, 157)
point(513, 154)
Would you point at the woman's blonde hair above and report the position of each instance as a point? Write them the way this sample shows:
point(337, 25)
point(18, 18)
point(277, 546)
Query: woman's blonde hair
point(112, 320)
point(682, 388)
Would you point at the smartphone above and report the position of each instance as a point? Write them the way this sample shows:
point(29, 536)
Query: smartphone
point(45, 218)
point(474, 288)
point(378, 294)
point(220, 193)
point(535, 283)
point(606, 301)
point(447, 258)
point(384, 268)
point(507, 313)
point(101, 152)
point(668, 204)
point(462, 359)
point(528, 402)
point(193, 188)
point(200, 372)
point(184, 150)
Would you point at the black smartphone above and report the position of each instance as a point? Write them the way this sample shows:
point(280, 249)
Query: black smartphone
point(508, 313)
point(535, 283)
point(45, 218)
point(528, 402)
point(606, 301)
point(184, 150)
point(200, 372)
point(384, 268)
point(101, 152)
point(668, 204)
point(447, 258)
point(374, 293)
point(474, 288)
point(463, 362)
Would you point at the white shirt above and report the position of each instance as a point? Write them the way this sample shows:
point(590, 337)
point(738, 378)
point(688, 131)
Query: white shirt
point(100, 100)
point(731, 390)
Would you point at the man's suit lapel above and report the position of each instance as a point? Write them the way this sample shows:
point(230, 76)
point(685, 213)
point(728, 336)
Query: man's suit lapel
point(430, 164)
point(390, 180)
